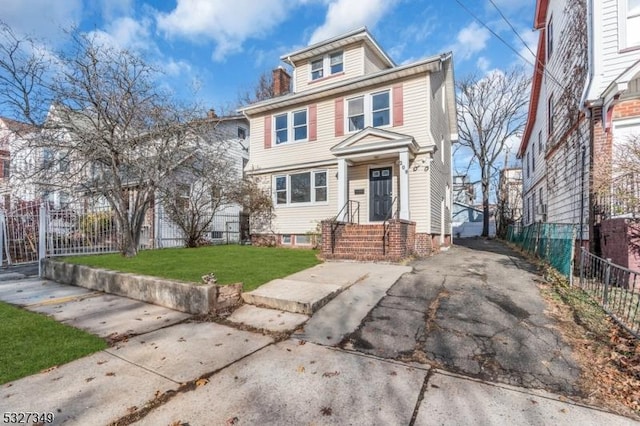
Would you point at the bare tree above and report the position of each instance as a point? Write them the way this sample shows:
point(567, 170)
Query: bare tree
point(111, 131)
point(261, 91)
point(204, 185)
point(491, 111)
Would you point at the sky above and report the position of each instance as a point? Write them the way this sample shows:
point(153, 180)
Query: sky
point(213, 50)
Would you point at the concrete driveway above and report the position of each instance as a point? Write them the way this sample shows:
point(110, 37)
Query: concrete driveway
point(474, 310)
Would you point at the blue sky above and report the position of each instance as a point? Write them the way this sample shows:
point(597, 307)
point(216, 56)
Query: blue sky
point(212, 50)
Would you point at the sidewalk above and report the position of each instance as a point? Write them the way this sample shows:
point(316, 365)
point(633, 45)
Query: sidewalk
point(208, 373)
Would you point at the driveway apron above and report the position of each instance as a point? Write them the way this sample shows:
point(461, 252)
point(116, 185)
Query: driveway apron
point(475, 310)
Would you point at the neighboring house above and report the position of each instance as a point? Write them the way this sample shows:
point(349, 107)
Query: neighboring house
point(463, 190)
point(158, 231)
point(467, 221)
point(509, 208)
point(12, 135)
point(585, 96)
point(359, 139)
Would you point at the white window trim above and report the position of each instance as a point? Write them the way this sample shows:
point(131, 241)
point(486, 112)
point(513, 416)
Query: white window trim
point(623, 18)
point(312, 189)
point(368, 110)
point(290, 128)
point(326, 66)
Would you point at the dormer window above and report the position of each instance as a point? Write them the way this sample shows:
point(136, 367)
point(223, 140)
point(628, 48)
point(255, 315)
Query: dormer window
point(327, 65)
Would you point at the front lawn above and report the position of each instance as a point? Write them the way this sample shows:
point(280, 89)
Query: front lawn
point(253, 266)
point(31, 342)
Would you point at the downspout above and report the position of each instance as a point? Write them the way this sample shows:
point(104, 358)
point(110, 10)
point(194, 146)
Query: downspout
point(590, 60)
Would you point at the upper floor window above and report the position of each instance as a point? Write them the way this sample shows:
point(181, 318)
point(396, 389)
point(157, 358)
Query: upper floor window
point(549, 38)
point(290, 126)
point(242, 133)
point(629, 23)
point(369, 110)
point(533, 158)
point(550, 116)
point(327, 65)
point(540, 149)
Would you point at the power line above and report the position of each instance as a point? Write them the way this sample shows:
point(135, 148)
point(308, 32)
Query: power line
point(512, 28)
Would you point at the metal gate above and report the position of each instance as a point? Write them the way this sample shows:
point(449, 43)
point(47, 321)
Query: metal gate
point(20, 234)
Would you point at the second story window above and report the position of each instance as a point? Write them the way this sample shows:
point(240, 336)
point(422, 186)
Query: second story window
point(549, 38)
point(369, 110)
point(380, 109)
point(355, 114)
point(242, 133)
point(628, 23)
point(327, 65)
point(550, 116)
point(291, 127)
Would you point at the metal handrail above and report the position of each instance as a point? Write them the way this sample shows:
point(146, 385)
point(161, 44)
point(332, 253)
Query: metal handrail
point(385, 225)
point(350, 213)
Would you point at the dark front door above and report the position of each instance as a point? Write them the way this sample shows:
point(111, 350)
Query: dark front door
point(379, 194)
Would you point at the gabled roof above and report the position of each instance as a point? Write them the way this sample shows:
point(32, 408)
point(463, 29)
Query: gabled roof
point(326, 46)
point(17, 126)
point(371, 139)
point(536, 87)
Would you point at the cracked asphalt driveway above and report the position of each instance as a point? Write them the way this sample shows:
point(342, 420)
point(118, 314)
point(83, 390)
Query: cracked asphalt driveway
point(475, 310)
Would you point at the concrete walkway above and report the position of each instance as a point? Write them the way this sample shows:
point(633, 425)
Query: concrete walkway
point(168, 369)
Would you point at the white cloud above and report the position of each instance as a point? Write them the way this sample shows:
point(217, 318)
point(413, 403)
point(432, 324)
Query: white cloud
point(227, 23)
point(531, 39)
point(483, 64)
point(469, 41)
point(346, 15)
point(40, 18)
point(128, 33)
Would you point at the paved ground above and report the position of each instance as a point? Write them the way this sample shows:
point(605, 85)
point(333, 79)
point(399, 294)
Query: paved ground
point(443, 345)
point(473, 310)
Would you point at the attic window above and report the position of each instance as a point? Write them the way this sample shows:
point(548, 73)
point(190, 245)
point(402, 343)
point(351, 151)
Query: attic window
point(327, 65)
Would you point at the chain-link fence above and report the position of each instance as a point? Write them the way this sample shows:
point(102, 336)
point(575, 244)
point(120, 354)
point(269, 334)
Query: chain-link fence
point(615, 288)
point(552, 242)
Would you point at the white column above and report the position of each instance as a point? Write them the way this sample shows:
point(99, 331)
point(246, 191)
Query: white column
point(404, 185)
point(343, 196)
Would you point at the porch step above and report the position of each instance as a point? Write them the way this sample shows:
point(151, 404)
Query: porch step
point(292, 296)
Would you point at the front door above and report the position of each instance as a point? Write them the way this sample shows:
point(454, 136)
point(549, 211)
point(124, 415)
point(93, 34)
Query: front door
point(380, 194)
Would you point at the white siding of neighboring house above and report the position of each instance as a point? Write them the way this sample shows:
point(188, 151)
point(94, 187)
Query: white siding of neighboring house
point(610, 61)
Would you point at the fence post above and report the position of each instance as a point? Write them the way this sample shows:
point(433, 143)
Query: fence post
point(582, 256)
point(42, 237)
point(573, 256)
point(607, 277)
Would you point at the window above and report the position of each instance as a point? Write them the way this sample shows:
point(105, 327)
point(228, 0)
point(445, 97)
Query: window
point(183, 192)
point(282, 130)
point(47, 158)
point(369, 110)
point(528, 160)
point(327, 65)
point(291, 126)
point(6, 167)
point(298, 188)
point(300, 125)
point(629, 23)
point(285, 239)
point(540, 149)
point(380, 109)
point(549, 38)
point(242, 133)
point(335, 62)
point(355, 114)
point(550, 116)
point(303, 240)
point(63, 162)
point(317, 68)
point(533, 158)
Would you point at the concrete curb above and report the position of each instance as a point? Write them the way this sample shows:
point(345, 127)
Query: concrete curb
point(184, 297)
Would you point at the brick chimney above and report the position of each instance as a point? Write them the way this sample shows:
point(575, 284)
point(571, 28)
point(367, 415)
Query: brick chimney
point(281, 82)
point(212, 113)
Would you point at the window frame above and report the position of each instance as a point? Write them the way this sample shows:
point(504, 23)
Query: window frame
point(290, 127)
point(368, 111)
point(288, 189)
point(624, 17)
point(550, 114)
point(326, 70)
point(550, 38)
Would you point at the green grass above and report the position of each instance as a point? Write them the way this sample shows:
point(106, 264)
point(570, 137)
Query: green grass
point(31, 342)
point(252, 266)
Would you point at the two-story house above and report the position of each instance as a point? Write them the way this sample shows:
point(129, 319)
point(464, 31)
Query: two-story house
point(360, 140)
point(585, 98)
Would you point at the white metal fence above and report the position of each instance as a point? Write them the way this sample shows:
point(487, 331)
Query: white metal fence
point(33, 231)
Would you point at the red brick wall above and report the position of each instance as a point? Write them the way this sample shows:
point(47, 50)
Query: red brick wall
point(627, 109)
point(423, 244)
point(618, 239)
